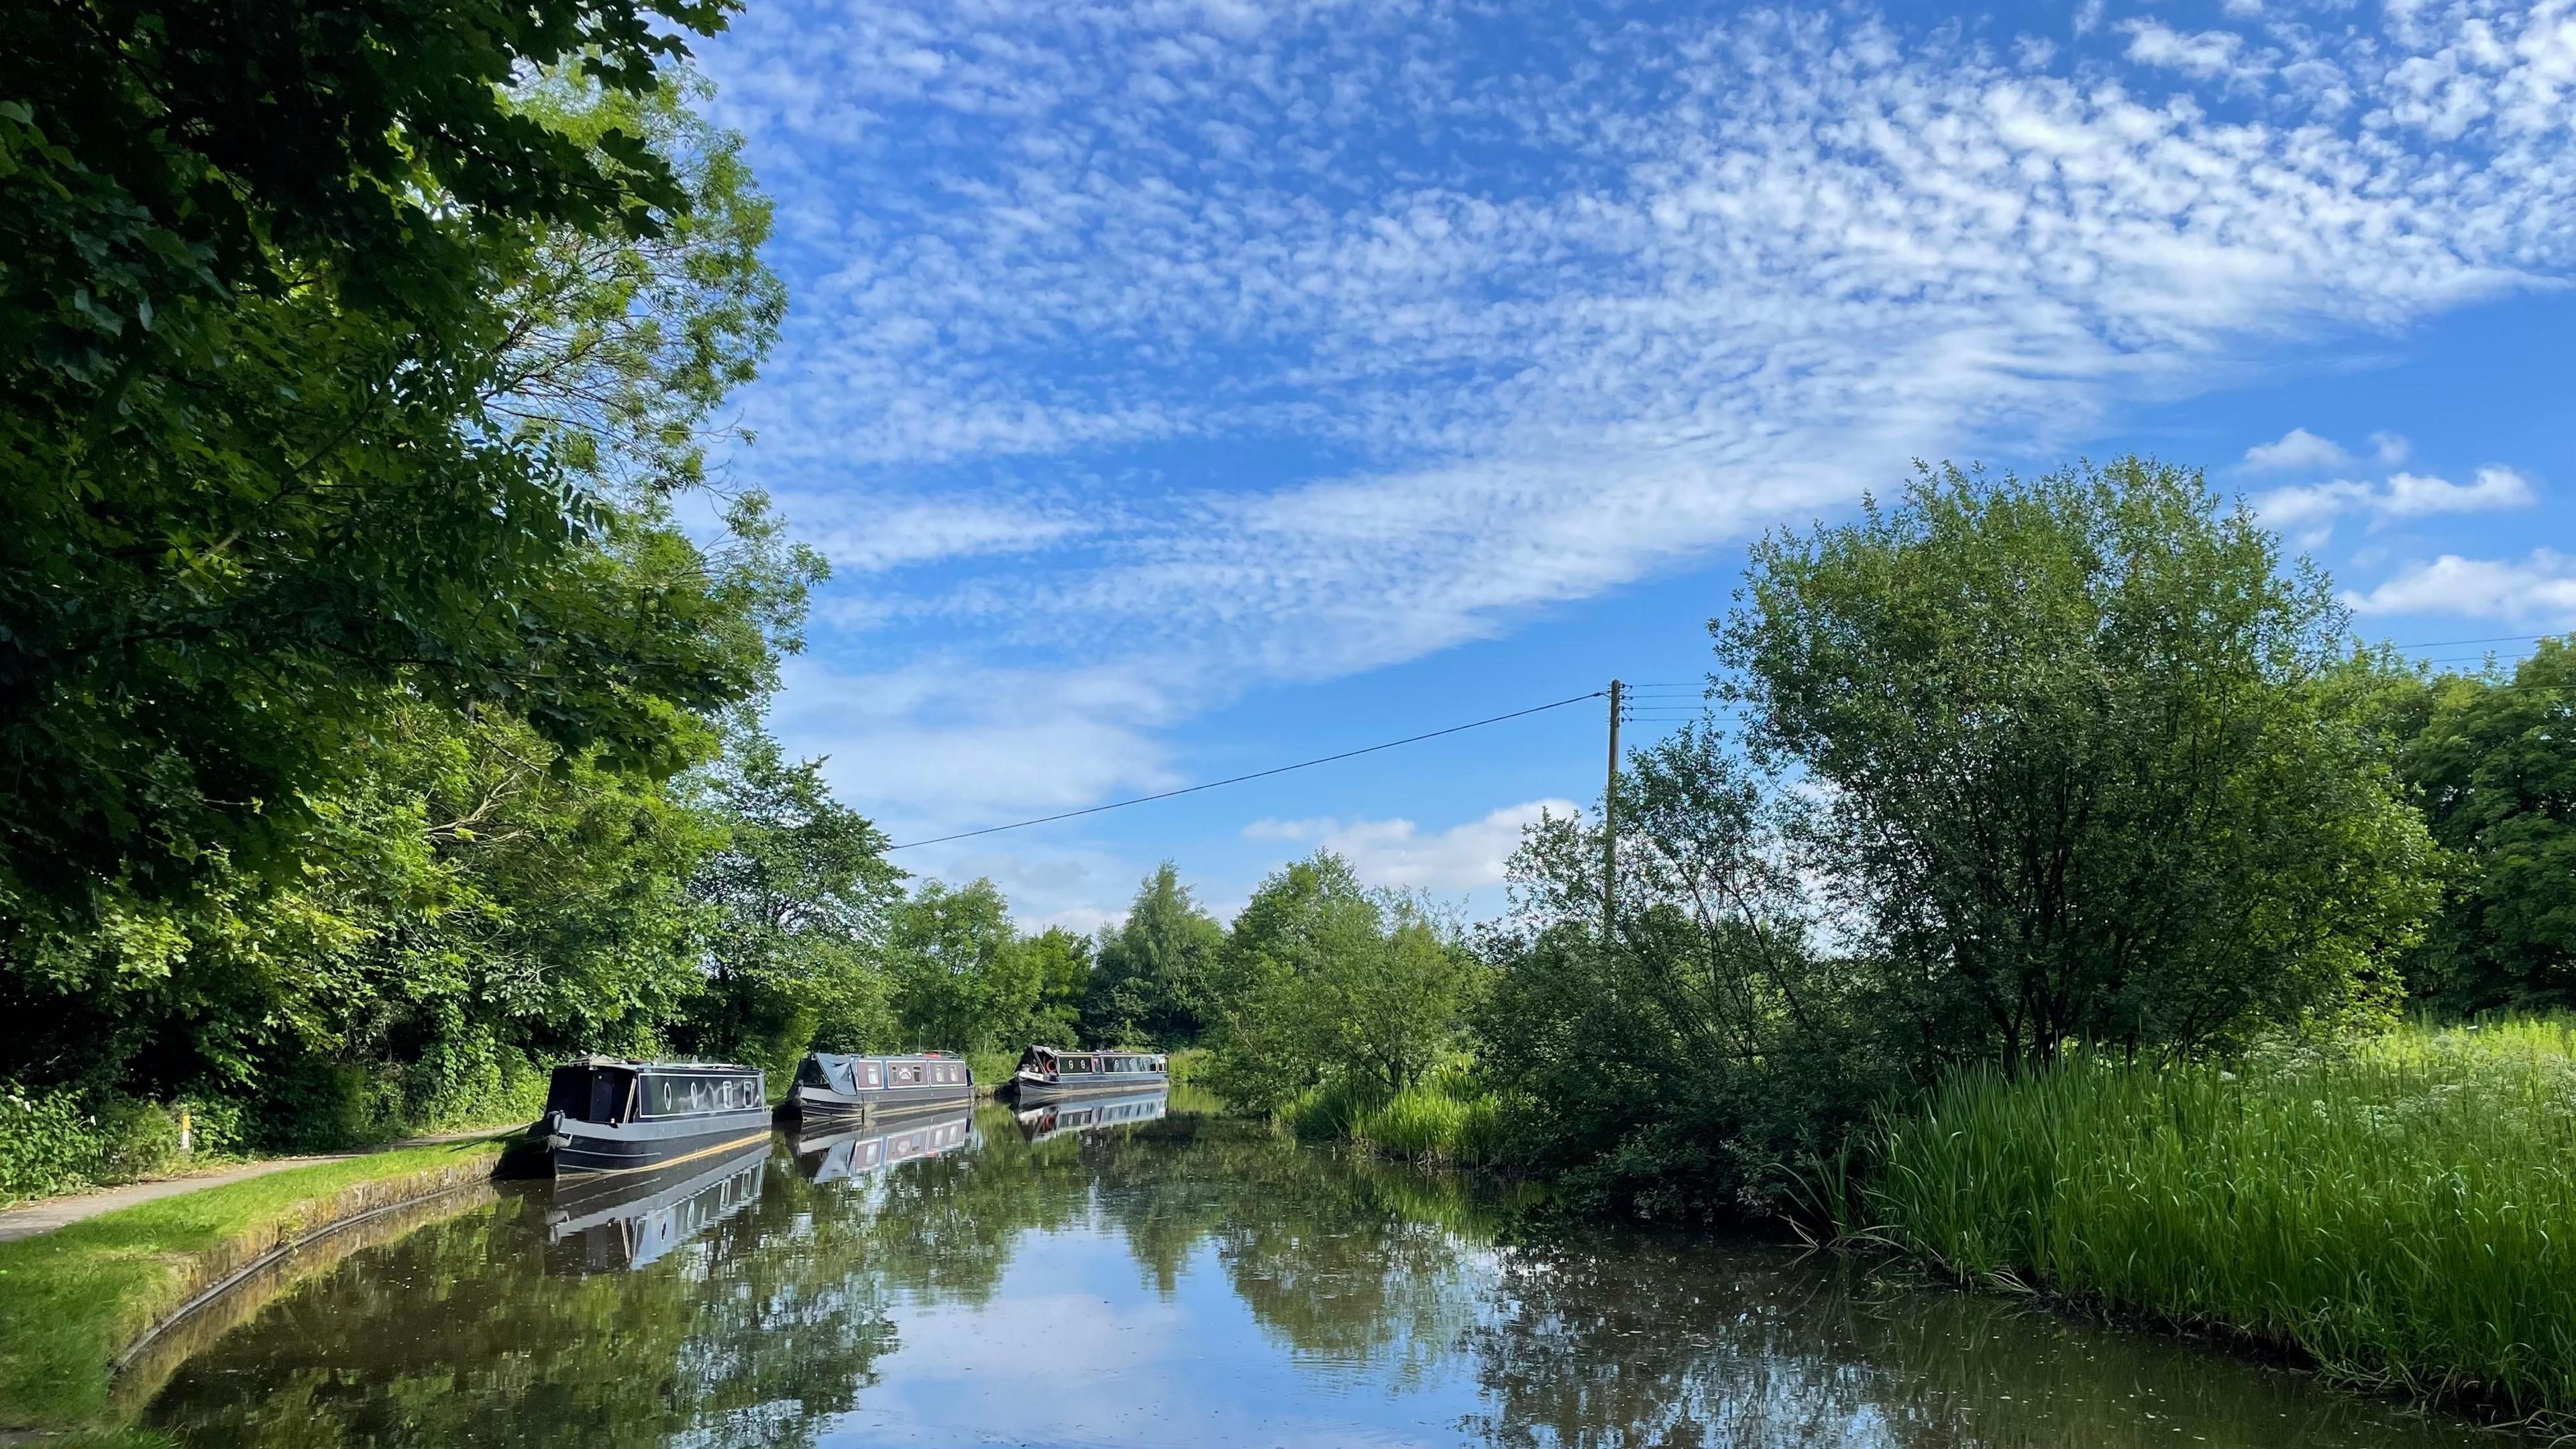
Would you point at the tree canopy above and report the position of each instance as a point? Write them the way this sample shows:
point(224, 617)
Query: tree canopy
point(2079, 761)
point(2495, 761)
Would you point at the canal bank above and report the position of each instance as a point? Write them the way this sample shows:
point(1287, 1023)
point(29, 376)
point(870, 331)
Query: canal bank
point(78, 1300)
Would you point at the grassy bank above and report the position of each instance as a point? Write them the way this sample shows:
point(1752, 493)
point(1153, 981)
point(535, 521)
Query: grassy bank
point(72, 1299)
point(1448, 1119)
point(2402, 1211)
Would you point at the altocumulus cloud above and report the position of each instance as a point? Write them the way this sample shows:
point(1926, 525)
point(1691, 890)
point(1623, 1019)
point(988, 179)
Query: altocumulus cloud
point(1344, 334)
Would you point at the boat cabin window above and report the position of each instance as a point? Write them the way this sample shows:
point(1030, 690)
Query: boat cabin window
point(907, 1074)
point(677, 1095)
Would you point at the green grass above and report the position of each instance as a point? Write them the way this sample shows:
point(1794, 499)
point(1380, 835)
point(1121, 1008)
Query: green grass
point(73, 1298)
point(991, 1069)
point(2403, 1211)
point(1448, 1119)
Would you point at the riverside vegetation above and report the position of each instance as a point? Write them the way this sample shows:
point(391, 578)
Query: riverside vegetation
point(373, 732)
point(2048, 895)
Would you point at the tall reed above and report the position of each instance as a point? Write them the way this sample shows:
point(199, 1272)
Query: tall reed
point(2403, 1211)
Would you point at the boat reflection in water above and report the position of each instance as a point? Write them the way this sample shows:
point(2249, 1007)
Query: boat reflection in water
point(1091, 1114)
point(856, 1151)
point(610, 1222)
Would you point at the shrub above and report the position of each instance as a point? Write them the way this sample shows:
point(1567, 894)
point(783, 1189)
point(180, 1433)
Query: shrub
point(48, 1144)
point(56, 1141)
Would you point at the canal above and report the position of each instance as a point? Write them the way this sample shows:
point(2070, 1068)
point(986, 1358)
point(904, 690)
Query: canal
point(1179, 1280)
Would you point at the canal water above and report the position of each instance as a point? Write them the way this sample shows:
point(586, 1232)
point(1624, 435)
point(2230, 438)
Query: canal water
point(1174, 1279)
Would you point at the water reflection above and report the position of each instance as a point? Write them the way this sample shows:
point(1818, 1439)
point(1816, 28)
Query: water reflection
point(1175, 1280)
point(833, 1156)
point(1090, 1114)
point(602, 1221)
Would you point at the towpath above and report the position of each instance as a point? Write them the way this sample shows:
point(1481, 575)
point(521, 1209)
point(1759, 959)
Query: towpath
point(46, 1214)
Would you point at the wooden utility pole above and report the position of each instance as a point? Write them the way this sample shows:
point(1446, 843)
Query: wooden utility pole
point(1610, 827)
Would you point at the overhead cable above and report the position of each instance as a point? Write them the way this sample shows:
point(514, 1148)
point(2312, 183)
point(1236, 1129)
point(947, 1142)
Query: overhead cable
point(1255, 775)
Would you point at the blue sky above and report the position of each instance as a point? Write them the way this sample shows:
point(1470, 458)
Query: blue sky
point(1188, 386)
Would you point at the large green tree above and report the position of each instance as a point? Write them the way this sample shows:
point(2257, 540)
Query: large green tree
point(963, 980)
point(1324, 979)
point(1155, 972)
point(265, 271)
point(799, 898)
point(2496, 765)
point(357, 643)
point(2082, 762)
point(1716, 1048)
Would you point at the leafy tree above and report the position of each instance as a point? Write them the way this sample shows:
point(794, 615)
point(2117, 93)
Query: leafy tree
point(1325, 980)
point(2080, 764)
point(1064, 966)
point(962, 979)
point(348, 640)
point(1156, 969)
point(2496, 765)
point(798, 897)
point(1711, 1052)
point(264, 276)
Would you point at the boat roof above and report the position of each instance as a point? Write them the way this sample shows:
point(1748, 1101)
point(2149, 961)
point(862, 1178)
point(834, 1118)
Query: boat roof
point(1099, 1051)
point(642, 1064)
point(884, 1057)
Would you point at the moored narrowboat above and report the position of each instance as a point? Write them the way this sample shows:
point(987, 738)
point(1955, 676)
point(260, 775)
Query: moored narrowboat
point(830, 1085)
point(607, 1114)
point(1046, 1072)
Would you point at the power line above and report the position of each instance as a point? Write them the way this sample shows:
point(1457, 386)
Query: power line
point(1255, 775)
point(2497, 639)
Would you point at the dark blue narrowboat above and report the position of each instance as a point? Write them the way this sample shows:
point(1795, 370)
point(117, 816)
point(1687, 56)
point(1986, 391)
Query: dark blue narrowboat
point(606, 1114)
point(1047, 1073)
point(833, 1086)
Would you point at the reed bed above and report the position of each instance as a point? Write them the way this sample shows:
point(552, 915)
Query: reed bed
point(1447, 1119)
point(2402, 1211)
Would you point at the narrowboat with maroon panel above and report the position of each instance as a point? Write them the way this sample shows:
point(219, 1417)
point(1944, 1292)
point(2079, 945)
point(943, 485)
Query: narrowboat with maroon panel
point(608, 1114)
point(833, 1086)
point(1047, 1072)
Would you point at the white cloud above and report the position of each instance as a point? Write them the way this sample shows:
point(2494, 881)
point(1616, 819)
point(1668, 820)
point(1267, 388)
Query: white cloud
point(2410, 495)
point(946, 744)
point(2297, 449)
point(2389, 449)
point(869, 535)
point(1397, 853)
point(2538, 590)
point(2206, 54)
point(1350, 335)
point(2308, 510)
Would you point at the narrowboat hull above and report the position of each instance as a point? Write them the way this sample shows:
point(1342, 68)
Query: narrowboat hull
point(827, 1102)
point(578, 1146)
point(1035, 1087)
